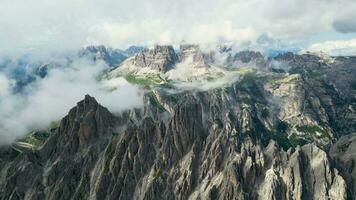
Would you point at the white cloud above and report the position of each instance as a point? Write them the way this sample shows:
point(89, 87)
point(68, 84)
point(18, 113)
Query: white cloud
point(4, 85)
point(51, 98)
point(72, 24)
point(337, 47)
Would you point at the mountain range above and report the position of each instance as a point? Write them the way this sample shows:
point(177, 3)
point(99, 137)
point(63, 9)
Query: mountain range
point(215, 124)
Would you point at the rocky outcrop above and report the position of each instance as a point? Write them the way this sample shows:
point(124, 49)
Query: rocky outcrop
point(251, 58)
point(160, 58)
point(164, 64)
point(112, 57)
point(343, 153)
point(192, 54)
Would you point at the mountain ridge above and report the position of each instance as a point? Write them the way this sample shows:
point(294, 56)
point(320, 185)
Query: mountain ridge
point(271, 133)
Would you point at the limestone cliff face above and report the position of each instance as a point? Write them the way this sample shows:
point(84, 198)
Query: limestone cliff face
point(275, 136)
point(160, 58)
point(163, 58)
point(193, 54)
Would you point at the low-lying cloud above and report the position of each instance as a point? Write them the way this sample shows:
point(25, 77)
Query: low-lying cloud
point(49, 99)
point(335, 48)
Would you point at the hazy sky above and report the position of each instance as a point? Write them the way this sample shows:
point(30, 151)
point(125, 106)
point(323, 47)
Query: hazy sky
point(70, 24)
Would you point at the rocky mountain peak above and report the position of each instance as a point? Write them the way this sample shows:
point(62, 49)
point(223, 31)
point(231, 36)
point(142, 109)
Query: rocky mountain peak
point(112, 57)
point(253, 58)
point(188, 49)
point(160, 58)
point(86, 122)
point(98, 52)
point(192, 53)
point(88, 102)
point(266, 135)
point(132, 50)
point(248, 56)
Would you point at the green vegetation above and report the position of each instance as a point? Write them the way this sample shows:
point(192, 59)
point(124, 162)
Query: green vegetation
point(245, 70)
point(282, 140)
point(131, 78)
point(284, 79)
point(146, 81)
point(30, 141)
point(282, 127)
point(312, 130)
point(154, 101)
point(33, 141)
point(281, 137)
point(291, 142)
point(214, 77)
point(158, 175)
point(247, 80)
point(295, 140)
point(53, 125)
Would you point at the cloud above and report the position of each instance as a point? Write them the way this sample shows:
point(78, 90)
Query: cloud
point(336, 47)
point(50, 99)
point(344, 20)
point(345, 26)
point(4, 85)
point(72, 24)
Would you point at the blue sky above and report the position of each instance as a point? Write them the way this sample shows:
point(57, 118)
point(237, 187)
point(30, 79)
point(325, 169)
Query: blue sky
point(70, 24)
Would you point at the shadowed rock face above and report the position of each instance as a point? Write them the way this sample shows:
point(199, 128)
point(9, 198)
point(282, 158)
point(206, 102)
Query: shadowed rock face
point(343, 153)
point(160, 58)
point(246, 57)
point(236, 142)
